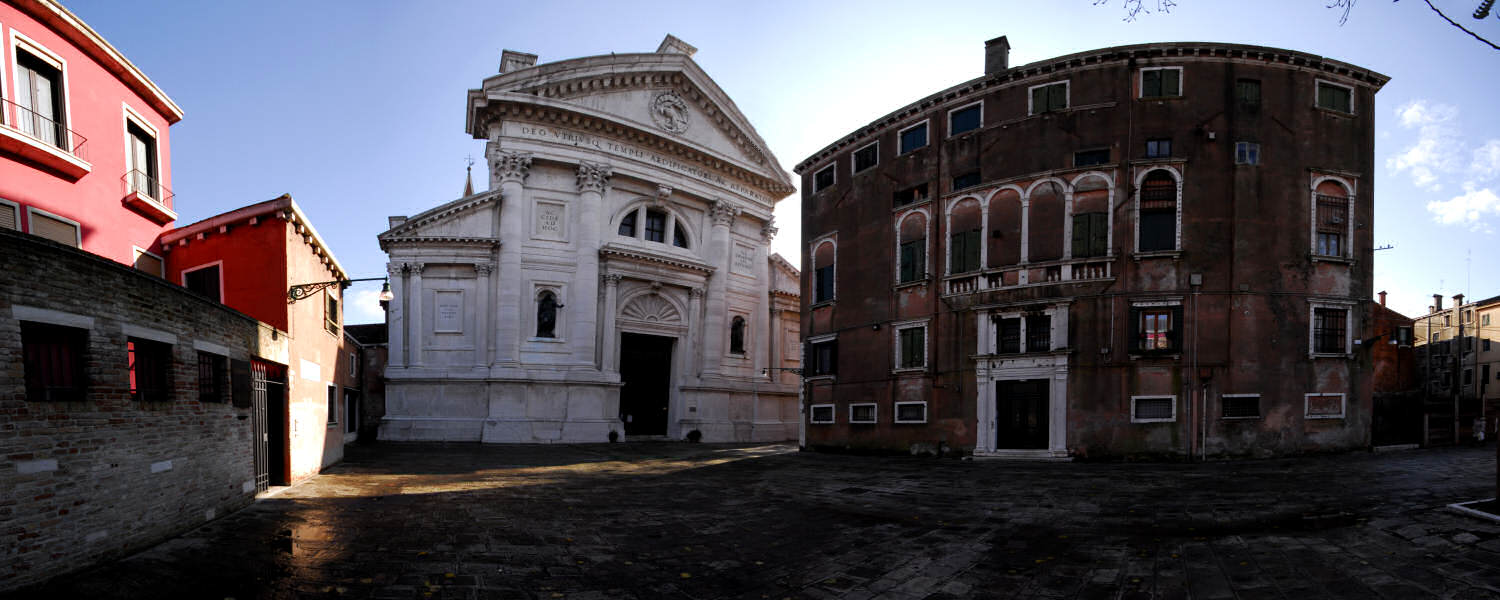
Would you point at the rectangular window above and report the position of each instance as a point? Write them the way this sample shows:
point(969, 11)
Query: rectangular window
point(656, 226)
point(1159, 148)
point(866, 157)
point(820, 414)
point(1089, 158)
point(1246, 153)
point(912, 349)
point(910, 195)
point(1247, 94)
point(204, 282)
point(823, 358)
point(54, 361)
point(1468, 376)
point(913, 261)
point(824, 283)
point(333, 405)
point(1010, 335)
point(1049, 97)
point(331, 314)
point(963, 251)
point(1484, 319)
point(1161, 82)
point(1324, 406)
point(966, 180)
point(150, 370)
point(1090, 234)
point(140, 161)
point(39, 100)
point(962, 120)
point(53, 228)
point(1486, 344)
point(1333, 212)
point(1158, 215)
point(147, 262)
point(211, 380)
point(1039, 333)
point(861, 413)
point(913, 137)
point(10, 213)
point(1404, 335)
point(911, 412)
point(353, 365)
point(351, 411)
point(1328, 330)
point(1153, 409)
point(823, 179)
point(1156, 329)
point(1239, 406)
point(1335, 97)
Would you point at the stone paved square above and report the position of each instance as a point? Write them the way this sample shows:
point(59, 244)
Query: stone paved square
point(697, 521)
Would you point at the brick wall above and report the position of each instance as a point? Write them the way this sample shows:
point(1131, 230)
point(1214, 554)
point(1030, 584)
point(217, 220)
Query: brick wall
point(85, 481)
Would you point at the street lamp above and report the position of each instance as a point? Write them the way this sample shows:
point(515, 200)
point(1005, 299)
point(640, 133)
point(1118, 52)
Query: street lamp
point(303, 290)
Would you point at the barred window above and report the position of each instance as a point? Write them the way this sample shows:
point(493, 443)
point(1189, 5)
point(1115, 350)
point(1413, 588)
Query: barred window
point(1333, 215)
point(1010, 336)
point(150, 370)
point(1158, 218)
point(1038, 333)
point(1239, 406)
point(1328, 330)
point(211, 377)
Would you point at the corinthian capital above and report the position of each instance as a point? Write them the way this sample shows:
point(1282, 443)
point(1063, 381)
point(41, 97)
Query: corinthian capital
point(507, 167)
point(593, 177)
point(768, 230)
point(723, 213)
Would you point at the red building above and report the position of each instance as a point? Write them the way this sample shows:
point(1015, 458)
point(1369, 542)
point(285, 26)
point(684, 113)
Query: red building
point(248, 259)
point(1158, 249)
point(84, 151)
point(1397, 418)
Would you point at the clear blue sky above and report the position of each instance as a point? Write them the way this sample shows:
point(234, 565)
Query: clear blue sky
point(357, 108)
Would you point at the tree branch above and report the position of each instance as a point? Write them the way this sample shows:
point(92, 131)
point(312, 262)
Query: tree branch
point(1461, 27)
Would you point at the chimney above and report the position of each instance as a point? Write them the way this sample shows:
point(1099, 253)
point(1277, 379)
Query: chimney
point(996, 56)
point(512, 61)
point(1458, 300)
point(1382, 298)
point(1437, 302)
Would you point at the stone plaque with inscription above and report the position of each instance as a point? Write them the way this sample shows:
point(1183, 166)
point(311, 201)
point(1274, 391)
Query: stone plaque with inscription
point(448, 311)
point(744, 259)
point(551, 221)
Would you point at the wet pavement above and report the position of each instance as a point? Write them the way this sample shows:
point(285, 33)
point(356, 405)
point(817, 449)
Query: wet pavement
point(695, 521)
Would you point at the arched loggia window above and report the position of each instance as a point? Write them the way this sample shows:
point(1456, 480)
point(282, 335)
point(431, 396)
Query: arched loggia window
point(546, 315)
point(737, 336)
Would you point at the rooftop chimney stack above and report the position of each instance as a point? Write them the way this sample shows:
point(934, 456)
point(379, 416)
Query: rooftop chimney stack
point(996, 56)
point(512, 61)
point(1458, 300)
point(1437, 302)
point(1382, 298)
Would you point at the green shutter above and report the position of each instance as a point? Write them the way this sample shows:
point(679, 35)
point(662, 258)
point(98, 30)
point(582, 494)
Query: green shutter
point(1058, 97)
point(1170, 83)
point(1151, 83)
point(1098, 234)
point(1080, 235)
point(972, 250)
point(919, 262)
point(1038, 100)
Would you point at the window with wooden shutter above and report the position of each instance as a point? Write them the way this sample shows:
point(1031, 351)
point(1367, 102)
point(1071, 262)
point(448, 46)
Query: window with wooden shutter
point(913, 348)
point(963, 252)
point(1049, 97)
point(1161, 82)
point(54, 229)
point(10, 216)
point(1090, 235)
point(913, 260)
point(1158, 214)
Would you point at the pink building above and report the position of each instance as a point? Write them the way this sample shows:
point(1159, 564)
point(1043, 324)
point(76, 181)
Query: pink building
point(84, 151)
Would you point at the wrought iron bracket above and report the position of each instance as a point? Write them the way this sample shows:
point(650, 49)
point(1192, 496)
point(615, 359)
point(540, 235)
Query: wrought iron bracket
point(303, 290)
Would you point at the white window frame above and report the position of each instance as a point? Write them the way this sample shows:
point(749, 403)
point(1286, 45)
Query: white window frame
point(559, 329)
point(925, 143)
point(1307, 404)
point(979, 103)
point(813, 341)
point(137, 251)
point(20, 41)
point(1067, 95)
point(1133, 400)
point(833, 166)
point(15, 207)
point(896, 411)
point(1259, 414)
point(1312, 324)
point(77, 227)
point(1140, 177)
point(874, 413)
point(812, 414)
point(854, 168)
point(1247, 146)
point(182, 276)
point(1140, 82)
point(130, 115)
point(1346, 250)
point(926, 245)
point(1321, 82)
point(896, 329)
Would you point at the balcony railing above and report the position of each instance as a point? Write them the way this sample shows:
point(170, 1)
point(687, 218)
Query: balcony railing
point(45, 130)
point(1077, 269)
point(138, 182)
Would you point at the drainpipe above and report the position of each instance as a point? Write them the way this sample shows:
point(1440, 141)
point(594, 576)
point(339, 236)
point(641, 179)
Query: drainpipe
point(1195, 280)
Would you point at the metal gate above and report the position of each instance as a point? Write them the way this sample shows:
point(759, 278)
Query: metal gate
point(262, 436)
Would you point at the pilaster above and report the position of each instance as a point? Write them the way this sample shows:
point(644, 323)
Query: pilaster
point(608, 362)
point(395, 316)
point(593, 182)
point(714, 319)
point(508, 171)
point(417, 336)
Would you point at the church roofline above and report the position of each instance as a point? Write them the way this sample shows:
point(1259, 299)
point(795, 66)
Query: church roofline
point(440, 212)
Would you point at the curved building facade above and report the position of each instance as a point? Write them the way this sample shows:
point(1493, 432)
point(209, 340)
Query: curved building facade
point(1160, 249)
point(614, 282)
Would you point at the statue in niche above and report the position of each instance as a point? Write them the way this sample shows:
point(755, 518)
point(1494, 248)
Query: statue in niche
point(546, 315)
point(737, 336)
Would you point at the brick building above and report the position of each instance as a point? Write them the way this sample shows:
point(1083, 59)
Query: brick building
point(1458, 365)
point(373, 352)
point(84, 152)
point(121, 422)
point(1159, 249)
point(1397, 398)
point(248, 259)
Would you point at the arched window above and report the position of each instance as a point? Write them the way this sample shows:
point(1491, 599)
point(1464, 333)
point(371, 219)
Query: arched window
point(737, 335)
point(823, 271)
point(1332, 214)
point(1158, 216)
point(964, 237)
point(1045, 213)
point(1090, 217)
point(1005, 228)
point(911, 252)
point(546, 314)
point(627, 225)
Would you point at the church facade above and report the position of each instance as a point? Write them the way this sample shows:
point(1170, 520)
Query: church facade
point(614, 282)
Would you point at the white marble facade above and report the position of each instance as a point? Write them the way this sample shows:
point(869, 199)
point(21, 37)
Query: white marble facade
point(627, 195)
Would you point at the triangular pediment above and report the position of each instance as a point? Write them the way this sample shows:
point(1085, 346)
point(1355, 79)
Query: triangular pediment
point(469, 219)
point(665, 97)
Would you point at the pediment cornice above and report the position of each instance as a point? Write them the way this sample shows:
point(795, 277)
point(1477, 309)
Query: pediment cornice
point(388, 242)
point(613, 252)
point(439, 213)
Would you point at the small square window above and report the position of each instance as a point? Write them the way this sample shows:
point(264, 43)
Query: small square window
point(1335, 97)
point(866, 157)
point(1246, 153)
point(150, 372)
point(911, 412)
point(965, 119)
point(204, 282)
point(1247, 94)
point(1049, 97)
point(820, 414)
point(1089, 158)
point(861, 413)
point(823, 179)
point(1153, 409)
point(54, 360)
point(1158, 329)
point(913, 137)
point(1159, 148)
point(211, 377)
point(1161, 82)
point(966, 180)
point(1240, 406)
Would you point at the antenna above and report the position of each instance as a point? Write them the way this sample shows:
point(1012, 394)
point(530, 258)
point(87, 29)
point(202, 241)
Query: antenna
point(1385, 247)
